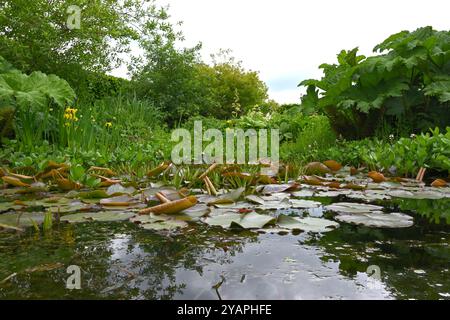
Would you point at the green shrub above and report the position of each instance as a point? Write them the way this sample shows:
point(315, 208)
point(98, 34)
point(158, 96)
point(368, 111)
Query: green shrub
point(404, 156)
point(406, 85)
point(313, 136)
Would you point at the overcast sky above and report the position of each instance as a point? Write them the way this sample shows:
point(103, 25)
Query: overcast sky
point(286, 40)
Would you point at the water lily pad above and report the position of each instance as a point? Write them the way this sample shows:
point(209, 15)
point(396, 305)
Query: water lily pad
point(21, 219)
point(331, 194)
point(110, 216)
point(237, 205)
point(147, 218)
point(276, 188)
point(118, 189)
point(74, 218)
point(102, 216)
point(253, 220)
point(164, 225)
point(229, 197)
point(121, 201)
point(353, 208)
point(198, 210)
point(255, 199)
point(95, 194)
point(368, 195)
point(378, 219)
point(306, 224)
point(303, 193)
point(304, 204)
point(425, 194)
point(5, 206)
point(223, 220)
point(275, 205)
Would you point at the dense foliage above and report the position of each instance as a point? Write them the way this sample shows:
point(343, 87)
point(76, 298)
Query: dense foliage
point(405, 87)
point(403, 157)
point(183, 86)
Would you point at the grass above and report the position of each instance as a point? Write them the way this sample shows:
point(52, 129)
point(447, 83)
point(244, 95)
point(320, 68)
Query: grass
point(129, 136)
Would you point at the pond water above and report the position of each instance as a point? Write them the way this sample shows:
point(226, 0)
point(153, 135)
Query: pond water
point(122, 261)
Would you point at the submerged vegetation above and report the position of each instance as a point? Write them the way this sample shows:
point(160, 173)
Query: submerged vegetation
point(366, 150)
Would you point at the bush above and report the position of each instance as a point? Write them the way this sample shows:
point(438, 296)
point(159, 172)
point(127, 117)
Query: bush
point(406, 85)
point(313, 134)
point(403, 157)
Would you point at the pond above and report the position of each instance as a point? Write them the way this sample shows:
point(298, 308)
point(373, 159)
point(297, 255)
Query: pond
point(119, 260)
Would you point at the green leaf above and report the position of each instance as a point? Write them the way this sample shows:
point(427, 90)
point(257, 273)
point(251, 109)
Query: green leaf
point(253, 220)
point(378, 219)
point(440, 89)
point(306, 224)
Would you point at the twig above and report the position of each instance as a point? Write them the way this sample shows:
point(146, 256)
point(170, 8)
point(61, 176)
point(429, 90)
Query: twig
point(161, 197)
point(8, 278)
point(210, 186)
point(421, 174)
point(211, 168)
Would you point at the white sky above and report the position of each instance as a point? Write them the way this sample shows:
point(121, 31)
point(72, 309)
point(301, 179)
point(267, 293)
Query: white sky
point(286, 40)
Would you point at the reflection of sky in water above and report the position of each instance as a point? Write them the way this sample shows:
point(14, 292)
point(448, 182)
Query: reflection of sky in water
point(275, 267)
point(123, 261)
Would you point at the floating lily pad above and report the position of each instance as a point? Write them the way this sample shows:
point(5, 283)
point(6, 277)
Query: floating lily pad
point(110, 216)
point(425, 194)
point(229, 197)
point(237, 205)
point(21, 219)
point(117, 189)
point(368, 196)
point(165, 225)
point(74, 218)
point(147, 218)
point(223, 220)
point(102, 216)
point(276, 188)
point(255, 199)
point(121, 201)
point(253, 220)
point(378, 219)
point(197, 211)
point(303, 193)
point(5, 206)
point(95, 194)
point(331, 194)
point(275, 205)
point(306, 224)
point(304, 204)
point(354, 208)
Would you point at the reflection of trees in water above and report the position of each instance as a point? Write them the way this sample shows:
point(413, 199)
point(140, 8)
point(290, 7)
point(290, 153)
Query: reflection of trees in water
point(436, 211)
point(118, 260)
point(396, 251)
point(162, 256)
point(135, 263)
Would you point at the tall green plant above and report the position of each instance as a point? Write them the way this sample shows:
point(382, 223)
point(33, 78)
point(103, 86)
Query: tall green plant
point(33, 97)
point(407, 82)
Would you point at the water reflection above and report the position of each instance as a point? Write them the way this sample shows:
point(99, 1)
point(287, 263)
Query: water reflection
point(122, 261)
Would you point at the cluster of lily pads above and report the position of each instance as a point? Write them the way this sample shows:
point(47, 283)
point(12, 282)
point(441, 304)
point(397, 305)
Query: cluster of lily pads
point(272, 208)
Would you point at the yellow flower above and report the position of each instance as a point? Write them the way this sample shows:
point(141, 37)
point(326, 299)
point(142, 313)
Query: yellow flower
point(108, 124)
point(70, 114)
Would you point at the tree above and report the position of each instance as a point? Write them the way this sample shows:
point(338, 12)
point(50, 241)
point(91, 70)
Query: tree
point(170, 78)
point(183, 86)
point(35, 36)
